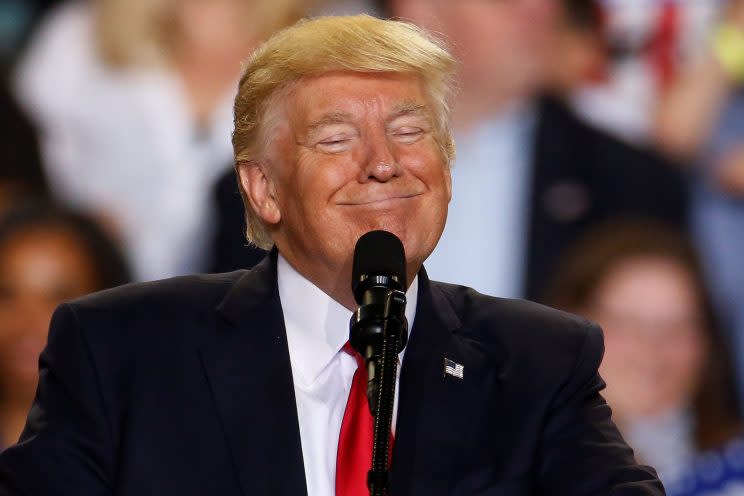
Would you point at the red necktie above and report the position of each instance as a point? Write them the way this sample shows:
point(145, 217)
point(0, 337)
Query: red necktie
point(354, 457)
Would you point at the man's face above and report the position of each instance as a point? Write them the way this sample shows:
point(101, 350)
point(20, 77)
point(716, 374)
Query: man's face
point(349, 153)
point(500, 43)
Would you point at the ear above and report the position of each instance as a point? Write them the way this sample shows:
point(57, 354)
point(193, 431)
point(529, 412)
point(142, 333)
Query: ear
point(448, 180)
point(258, 188)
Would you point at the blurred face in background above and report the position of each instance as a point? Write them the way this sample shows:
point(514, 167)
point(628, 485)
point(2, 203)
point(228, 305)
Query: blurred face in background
point(213, 24)
point(578, 55)
point(651, 314)
point(502, 44)
point(39, 268)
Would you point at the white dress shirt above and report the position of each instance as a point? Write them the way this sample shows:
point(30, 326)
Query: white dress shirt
point(317, 328)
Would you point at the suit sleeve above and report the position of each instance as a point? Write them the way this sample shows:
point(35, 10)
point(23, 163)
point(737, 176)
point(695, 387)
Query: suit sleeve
point(581, 450)
point(66, 447)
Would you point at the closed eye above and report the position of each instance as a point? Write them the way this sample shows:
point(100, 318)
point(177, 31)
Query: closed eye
point(333, 141)
point(408, 134)
point(335, 144)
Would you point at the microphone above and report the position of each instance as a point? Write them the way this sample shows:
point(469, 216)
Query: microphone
point(379, 284)
point(379, 331)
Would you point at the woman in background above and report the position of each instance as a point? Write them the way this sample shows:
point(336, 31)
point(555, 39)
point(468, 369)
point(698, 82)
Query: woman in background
point(701, 122)
point(134, 102)
point(47, 256)
point(669, 380)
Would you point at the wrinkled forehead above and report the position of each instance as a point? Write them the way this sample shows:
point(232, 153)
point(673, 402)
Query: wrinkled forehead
point(374, 95)
point(342, 96)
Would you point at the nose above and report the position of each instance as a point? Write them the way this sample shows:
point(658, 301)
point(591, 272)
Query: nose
point(380, 163)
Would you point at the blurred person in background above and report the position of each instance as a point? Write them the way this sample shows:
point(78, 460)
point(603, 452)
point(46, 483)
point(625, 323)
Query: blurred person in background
point(133, 99)
point(701, 122)
point(579, 52)
point(670, 383)
point(47, 255)
point(647, 42)
point(528, 171)
point(21, 173)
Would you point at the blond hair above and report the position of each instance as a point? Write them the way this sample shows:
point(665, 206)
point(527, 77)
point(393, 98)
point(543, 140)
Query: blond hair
point(326, 44)
point(140, 32)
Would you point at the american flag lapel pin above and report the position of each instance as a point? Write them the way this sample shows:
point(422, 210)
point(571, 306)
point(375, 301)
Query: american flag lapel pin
point(452, 368)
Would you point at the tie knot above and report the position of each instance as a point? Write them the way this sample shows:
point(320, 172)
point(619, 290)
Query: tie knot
point(354, 353)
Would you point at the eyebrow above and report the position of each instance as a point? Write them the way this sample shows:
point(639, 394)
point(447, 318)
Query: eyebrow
point(409, 108)
point(333, 117)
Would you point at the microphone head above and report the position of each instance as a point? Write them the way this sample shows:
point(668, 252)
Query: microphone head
point(378, 253)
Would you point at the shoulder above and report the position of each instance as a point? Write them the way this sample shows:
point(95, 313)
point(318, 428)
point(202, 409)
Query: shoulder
point(481, 311)
point(141, 325)
point(533, 335)
point(183, 293)
point(183, 299)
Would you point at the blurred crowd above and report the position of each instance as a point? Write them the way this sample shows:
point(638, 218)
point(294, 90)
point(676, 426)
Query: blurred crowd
point(599, 169)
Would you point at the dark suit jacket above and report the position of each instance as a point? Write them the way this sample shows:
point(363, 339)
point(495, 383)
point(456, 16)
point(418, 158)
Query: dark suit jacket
point(581, 177)
point(184, 387)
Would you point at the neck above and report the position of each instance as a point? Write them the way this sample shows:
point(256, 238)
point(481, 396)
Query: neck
point(340, 290)
point(333, 280)
point(337, 283)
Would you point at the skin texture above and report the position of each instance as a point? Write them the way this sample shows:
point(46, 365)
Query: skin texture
point(38, 269)
point(348, 153)
point(655, 345)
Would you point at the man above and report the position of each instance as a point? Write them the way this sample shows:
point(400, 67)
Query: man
point(237, 384)
point(529, 172)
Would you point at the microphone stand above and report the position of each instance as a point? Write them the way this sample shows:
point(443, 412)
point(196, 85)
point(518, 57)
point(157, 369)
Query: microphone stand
point(383, 337)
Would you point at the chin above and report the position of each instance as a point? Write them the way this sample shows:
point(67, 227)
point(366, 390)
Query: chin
point(418, 241)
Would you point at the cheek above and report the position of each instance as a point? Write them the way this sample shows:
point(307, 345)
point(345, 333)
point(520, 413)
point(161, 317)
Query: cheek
point(314, 182)
point(426, 163)
point(684, 358)
point(620, 350)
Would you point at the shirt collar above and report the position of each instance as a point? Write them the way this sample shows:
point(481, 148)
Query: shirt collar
point(317, 325)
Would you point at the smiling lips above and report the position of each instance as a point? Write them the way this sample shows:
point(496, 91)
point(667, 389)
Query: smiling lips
point(378, 200)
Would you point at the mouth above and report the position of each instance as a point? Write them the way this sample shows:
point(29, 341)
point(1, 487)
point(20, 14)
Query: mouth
point(379, 201)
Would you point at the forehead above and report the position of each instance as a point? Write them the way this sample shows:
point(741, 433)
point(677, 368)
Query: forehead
point(354, 94)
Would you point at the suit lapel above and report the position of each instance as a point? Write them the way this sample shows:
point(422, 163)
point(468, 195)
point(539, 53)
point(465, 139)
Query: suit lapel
point(246, 361)
point(435, 409)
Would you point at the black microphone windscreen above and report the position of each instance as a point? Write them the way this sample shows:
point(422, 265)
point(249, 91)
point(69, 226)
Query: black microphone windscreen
point(379, 253)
